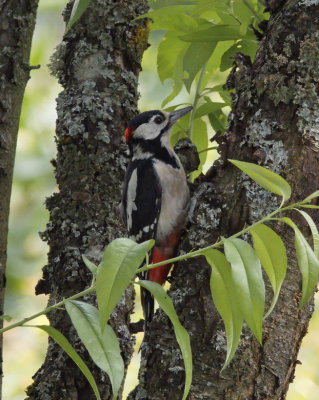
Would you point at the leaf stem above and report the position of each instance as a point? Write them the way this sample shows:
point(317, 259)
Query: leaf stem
point(200, 252)
point(196, 98)
point(208, 149)
point(48, 309)
point(191, 254)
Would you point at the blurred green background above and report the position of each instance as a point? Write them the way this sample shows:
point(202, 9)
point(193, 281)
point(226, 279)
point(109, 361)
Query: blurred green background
point(24, 349)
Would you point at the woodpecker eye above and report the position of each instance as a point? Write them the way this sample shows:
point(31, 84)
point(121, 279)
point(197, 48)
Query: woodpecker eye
point(159, 119)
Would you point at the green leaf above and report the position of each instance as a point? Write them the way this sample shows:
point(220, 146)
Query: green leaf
point(243, 10)
point(314, 231)
point(170, 57)
point(218, 121)
point(214, 34)
point(307, 262)
point(166, 3)
point(310, 197)
point(225, 299)
point(63, 342)
point(248, 280)
point(272, 253)
point(309, 206)
point(212, 65)
point(79, 6)
point(181, 333)
point(247, 47)
point(267, 179)
point(91, 267)
point(180, 129)
point(103, 348)
point(208, 108)
point(173, 18)
point(121, 259)
point(178, 86)
point(195, 58)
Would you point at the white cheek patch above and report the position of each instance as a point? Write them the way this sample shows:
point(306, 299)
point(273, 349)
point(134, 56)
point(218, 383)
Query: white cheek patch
point(148, 131)
point(165, 140)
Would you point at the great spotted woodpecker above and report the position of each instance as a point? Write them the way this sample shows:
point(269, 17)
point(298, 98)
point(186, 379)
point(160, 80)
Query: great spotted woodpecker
point(155, 197)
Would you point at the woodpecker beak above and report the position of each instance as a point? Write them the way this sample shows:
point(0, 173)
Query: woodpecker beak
point(177, 114)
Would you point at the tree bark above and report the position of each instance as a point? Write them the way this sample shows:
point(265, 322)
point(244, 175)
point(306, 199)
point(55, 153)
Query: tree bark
point(97, 63)
point(273, 122)
point(17, 20)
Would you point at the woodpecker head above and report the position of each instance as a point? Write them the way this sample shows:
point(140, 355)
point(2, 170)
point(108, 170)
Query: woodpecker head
point(152, 125)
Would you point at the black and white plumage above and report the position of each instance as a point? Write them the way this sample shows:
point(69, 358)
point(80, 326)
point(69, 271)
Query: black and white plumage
point(142, 197)
point(155, 196)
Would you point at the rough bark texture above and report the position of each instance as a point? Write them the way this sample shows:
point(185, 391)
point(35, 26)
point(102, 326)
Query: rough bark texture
point(17, 20)
point(97, 63)
point(274, 121)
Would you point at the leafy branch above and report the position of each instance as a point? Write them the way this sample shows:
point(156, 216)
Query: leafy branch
point(236, 283)
point(196, 51)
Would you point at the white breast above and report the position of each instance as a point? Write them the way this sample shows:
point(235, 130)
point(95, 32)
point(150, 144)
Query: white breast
point(131, 196)
point(175, 198)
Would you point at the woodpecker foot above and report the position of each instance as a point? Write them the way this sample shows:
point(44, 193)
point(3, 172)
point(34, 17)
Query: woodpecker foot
point(136, 327)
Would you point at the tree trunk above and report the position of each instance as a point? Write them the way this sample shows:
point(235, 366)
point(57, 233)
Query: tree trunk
point(17, 20)
point(273, 122)
point(97, 63)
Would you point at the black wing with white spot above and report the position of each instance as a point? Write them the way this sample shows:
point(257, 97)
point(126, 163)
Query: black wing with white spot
point(142, 195)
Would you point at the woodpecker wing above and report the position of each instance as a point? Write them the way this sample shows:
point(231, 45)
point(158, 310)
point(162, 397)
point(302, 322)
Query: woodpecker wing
point(142, 196)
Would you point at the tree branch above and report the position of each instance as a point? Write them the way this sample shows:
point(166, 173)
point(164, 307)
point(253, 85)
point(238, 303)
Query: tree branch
point(17, 20)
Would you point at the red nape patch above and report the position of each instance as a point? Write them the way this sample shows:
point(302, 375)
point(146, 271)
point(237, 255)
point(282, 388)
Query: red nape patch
point(128, 133)
point(159, 274)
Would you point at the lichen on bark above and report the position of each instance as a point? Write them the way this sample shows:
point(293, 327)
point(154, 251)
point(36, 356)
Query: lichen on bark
point(97, 64)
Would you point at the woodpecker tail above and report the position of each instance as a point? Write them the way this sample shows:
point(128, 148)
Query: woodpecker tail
point(147, 301)
point(157, 275)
